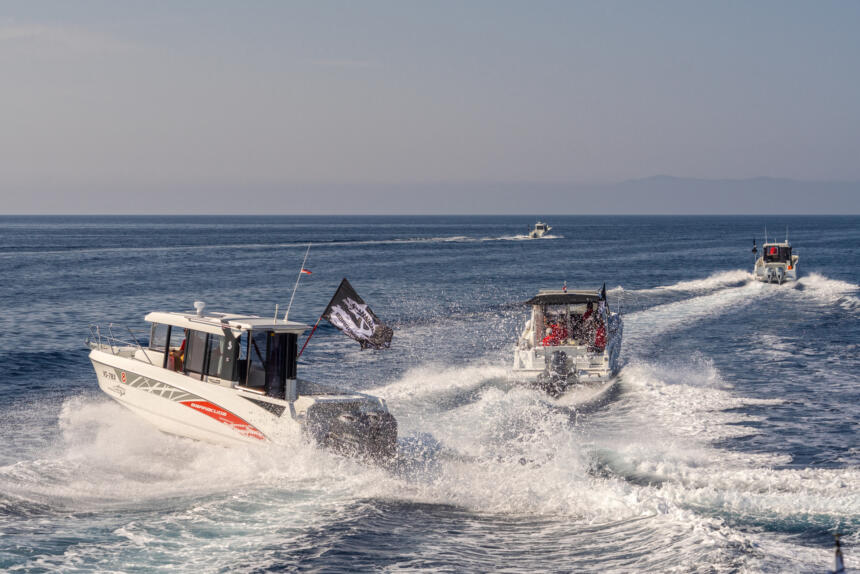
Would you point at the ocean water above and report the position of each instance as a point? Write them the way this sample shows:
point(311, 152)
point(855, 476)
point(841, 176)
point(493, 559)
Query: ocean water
point(731, 442)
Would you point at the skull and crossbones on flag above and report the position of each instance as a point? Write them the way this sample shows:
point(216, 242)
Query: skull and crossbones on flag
point(349, 313)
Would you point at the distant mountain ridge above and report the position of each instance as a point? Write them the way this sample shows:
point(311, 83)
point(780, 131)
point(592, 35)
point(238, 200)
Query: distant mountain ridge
point(757, 195)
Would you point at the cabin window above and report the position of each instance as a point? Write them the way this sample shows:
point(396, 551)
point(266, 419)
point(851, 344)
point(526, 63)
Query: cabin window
point(177, 337)
point(158, 336)
point(257, 352)
point(774, 254)
point(271, 361)
point(222, 357)
point(195, 352)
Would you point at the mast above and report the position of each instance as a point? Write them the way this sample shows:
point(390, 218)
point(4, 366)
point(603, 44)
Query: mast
point(301, 270)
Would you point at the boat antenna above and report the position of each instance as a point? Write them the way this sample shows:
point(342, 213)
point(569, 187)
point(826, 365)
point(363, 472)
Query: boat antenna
point(301, 272)
point(839, 565)
point(786, 233)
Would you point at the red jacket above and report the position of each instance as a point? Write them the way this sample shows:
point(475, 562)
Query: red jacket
point(556, 336)
point(600, 337)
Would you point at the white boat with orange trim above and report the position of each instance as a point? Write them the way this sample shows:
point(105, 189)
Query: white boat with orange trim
point(232, 379)
point(777, 263)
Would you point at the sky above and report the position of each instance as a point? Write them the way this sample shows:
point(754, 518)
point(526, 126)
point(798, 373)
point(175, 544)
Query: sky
point(305, 107)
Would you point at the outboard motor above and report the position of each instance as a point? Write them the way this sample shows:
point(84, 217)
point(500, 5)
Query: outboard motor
point(370, 435)
point(554, 380)
point(780, 275)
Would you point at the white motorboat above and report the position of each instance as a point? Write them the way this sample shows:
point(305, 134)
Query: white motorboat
point(777, 263)
point(572, 337)
point(540, 229)
point(228, 378)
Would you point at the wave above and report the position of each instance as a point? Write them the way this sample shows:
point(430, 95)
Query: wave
point(829, 290)
point(674, 416)
point(645, 468)
point(733, 278)
point(647, 323)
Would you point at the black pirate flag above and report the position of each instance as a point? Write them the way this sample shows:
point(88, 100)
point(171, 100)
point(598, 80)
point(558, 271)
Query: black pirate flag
point(349, 313)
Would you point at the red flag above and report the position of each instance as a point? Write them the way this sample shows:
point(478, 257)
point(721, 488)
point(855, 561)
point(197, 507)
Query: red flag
point(306, 272)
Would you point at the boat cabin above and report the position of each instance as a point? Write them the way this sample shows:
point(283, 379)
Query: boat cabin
point(567, 318)
point(776, 253)
point(244, 351)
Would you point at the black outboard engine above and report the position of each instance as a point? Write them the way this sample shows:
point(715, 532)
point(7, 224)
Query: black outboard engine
point(353, 432)
point(556, 378)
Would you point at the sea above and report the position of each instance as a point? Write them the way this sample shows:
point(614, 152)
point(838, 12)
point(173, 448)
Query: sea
point(729, 443)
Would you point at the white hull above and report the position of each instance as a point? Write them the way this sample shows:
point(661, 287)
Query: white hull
point(775, 272)
point(571, 339)
point(223, 413)
point(165, 399)
point(539, 230)
point(588, 365)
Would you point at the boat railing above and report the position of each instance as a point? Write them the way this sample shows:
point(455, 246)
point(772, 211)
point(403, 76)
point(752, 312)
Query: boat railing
point(110, 342)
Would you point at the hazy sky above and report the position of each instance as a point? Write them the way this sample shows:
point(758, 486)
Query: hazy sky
point(157, 98)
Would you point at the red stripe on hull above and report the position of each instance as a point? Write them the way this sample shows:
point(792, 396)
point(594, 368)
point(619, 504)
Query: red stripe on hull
point(226, 417)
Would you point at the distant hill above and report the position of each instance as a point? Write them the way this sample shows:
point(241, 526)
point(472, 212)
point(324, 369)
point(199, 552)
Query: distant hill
point(759, 195)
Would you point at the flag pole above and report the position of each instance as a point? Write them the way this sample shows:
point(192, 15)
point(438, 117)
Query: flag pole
point(309, 337)
point(287, 314)
point(320, 319)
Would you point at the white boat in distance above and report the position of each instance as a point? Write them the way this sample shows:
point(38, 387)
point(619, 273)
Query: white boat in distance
point(572, 337)
point(540, 229)
point(229, 379)
point(777, 263)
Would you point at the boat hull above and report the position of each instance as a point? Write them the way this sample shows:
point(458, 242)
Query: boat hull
point(775, 272)
point(179, 404)
point(555, 369)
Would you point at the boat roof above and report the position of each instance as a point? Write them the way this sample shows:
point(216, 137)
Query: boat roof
point(569, 297)
point(218, 323)
point(776, 244)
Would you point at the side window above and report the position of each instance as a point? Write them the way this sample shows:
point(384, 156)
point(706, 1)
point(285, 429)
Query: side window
point(195, 351)
point(222, 356)
point(158, 337)
point(258, 347)
point(177, 337)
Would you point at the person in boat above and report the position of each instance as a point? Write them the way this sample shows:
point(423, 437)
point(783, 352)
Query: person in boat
point(589, 311)
point(581, 323)
point(600, 336)
point(177, 357)
point(555, 334)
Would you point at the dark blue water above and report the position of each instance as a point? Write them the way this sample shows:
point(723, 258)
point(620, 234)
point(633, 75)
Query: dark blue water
point(728, 445)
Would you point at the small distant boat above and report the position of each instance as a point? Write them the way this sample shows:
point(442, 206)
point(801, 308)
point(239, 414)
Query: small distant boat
point(232, 379)
point(777, 263)
point(540, 229)
point(571, 338)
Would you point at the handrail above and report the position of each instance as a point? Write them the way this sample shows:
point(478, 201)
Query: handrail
point(112, 342)
point(138, 345)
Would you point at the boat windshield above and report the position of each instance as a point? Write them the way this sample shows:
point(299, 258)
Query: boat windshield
point(777, 254)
